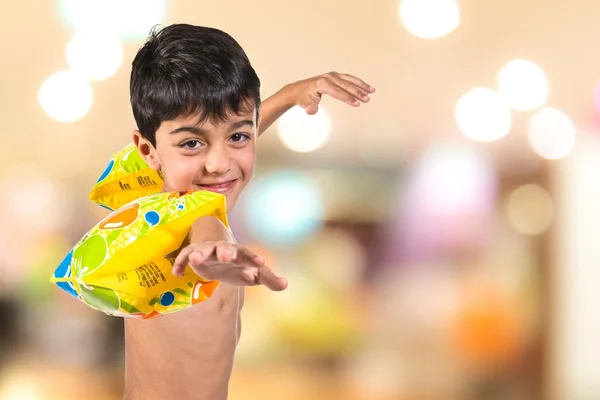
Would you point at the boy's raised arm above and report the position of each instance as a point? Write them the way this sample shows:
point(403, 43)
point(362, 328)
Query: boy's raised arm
point(308, 92)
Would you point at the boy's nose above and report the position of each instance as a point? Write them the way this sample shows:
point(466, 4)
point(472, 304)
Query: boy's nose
point(217, 161)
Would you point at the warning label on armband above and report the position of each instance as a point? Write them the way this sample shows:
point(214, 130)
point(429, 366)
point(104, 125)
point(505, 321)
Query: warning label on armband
point(145, 181)
point(149, 274)
point(122, 277)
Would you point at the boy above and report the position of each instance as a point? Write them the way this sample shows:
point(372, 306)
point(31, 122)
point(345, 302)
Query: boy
point(196, 99)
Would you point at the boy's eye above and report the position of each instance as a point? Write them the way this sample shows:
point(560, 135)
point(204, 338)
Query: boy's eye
point(191, 144)
point(239, 137)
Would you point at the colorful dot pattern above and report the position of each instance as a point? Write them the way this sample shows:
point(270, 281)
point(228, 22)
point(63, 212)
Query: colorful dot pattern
point(121, 266)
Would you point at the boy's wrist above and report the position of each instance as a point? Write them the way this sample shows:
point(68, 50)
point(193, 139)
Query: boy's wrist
point(288, 96)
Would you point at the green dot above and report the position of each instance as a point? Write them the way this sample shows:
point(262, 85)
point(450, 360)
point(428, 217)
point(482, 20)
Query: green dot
point(90, 254)
point(101, 298)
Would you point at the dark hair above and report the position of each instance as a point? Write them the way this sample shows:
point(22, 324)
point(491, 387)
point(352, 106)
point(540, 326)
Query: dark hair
point(184, 69)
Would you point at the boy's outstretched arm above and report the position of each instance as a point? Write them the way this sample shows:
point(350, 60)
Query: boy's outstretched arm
point(213, 255)
point(308, 92)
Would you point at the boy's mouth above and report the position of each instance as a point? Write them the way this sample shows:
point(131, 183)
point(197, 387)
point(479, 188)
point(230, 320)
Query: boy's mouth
point(220, 187)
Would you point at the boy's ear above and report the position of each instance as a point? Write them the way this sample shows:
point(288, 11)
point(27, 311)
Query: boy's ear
point(146, 150)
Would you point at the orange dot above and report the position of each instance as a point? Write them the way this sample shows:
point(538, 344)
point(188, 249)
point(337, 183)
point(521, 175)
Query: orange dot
point(121, 218)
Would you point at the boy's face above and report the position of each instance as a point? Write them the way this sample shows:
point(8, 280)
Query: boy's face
point(218, 157)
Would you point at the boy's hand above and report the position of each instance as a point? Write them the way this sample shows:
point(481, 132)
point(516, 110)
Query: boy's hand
point(229, 263)
point(308, 92)
point(344, 87)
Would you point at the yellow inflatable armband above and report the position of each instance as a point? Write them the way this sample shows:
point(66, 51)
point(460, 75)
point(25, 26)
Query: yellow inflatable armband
point(121, 267)
point(127, 177)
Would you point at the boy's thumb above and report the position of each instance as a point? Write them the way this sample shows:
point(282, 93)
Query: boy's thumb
point(312, 108)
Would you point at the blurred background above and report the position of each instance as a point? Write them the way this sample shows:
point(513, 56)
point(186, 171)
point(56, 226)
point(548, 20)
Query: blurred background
point(439, 241)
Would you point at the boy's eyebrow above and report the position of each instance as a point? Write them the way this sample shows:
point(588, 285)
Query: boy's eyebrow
point(191, 129)
point(198, 131)
point(239, 124)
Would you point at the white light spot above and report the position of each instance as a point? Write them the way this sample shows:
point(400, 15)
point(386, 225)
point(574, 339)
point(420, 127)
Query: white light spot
point(523, 84)
point(551, 133)
point(429, 19)
point(96, 54)
point(302, 132)
point(130, 19)
point(66, 96)
point(454, 180)
point(483, 115)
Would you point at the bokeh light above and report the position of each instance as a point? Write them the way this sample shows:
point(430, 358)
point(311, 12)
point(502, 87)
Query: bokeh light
point(551, 133)
point(487, 330)
point(283, 208)
point(451, 180)
point(429, 19)
point(130, 19)
point(524, 85)
point(304, 133)
point(95, 54)
point(66, 96)
point(448, 206)
point(483, 115)
point(530, 209)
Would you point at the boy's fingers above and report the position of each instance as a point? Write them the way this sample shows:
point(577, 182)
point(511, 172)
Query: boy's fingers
point(269, 279)
point(226, 252)
point(181, 261)
point(198, 260)
point(358, 82)
point(178, 270)
point(328, 86)
point(352, 85)
point(201, 253)
point(250, 256)
point(355, 90)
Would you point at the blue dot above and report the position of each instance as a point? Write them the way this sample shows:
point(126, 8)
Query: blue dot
point(167, 298)
point(181, 206)
point(109, 168)
point(152, 217)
